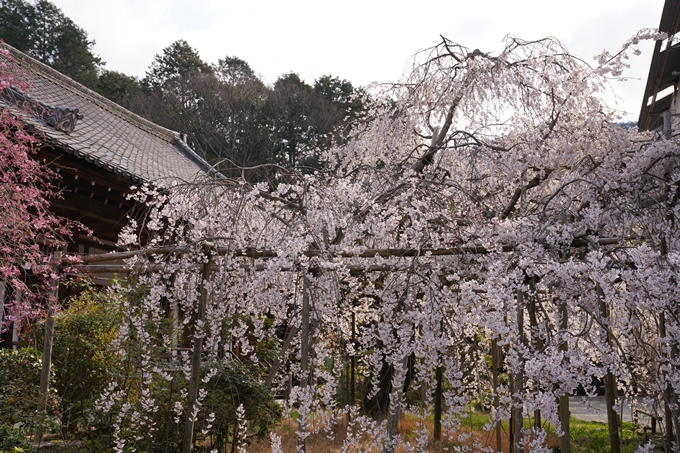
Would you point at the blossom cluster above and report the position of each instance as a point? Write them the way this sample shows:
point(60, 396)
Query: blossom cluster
point(489, 201)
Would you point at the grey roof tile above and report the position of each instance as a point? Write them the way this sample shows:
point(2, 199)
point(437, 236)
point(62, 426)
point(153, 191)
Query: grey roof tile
point(109, 135)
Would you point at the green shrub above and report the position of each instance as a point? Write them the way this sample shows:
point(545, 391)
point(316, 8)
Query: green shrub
point(236, 384)
point(20, 386)
point(13, 440)
point(82, 359)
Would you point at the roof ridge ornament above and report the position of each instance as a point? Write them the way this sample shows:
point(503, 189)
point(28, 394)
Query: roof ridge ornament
point(61, 118)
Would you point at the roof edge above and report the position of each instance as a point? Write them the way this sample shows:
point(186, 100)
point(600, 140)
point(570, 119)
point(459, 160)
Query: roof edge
point(196, 159)
point(668, 23)
point(33, 65)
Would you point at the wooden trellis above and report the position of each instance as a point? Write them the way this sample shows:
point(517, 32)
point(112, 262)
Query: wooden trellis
point(92, 264)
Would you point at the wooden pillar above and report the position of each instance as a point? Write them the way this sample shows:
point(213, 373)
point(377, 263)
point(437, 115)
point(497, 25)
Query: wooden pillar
point(394, 412)
point(304, 356)
point(667, 125)
point(564, 413)
point(518, 387)
point(667, 397)
point(353, 364)
point(495, 368)
point(176, 332)
point(536, 341)
point(609, 382)
point(16, 325)
point(2, 303)
point(196, 360)
point(47, 351)
point(438, 396)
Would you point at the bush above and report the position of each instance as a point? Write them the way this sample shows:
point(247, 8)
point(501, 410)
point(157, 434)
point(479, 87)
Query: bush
point(236, 384)
point(13, 440)
point(20, 386)
point(82, 359)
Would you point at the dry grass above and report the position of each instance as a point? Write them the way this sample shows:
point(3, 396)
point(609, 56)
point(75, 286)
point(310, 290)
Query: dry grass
point(408, 425)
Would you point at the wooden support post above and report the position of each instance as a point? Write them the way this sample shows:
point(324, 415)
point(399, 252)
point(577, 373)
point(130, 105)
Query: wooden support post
point(47, 352)
point(304, 357)
point(667, 128)
point(394, 413)
point(438, 396)
point(667, 415)
point(609, 382)
point(2, 303)
point(536, 341)
point(196, 360)
point(16, 325)
point(279, 360)
point(438, 393)
point(518, 390)
point(495, 367)
point(176, 332)
point(564, 413)
point(352, 365)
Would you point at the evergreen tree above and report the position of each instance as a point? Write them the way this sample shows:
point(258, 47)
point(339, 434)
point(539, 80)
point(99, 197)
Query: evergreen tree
point(42, 31)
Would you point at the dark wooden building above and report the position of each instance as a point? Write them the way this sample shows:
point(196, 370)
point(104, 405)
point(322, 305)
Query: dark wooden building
point(100, 150)
point(660, 107)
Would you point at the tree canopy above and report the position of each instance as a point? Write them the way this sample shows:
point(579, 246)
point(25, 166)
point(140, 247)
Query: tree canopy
point(488, 205)
point(233, 119)
point(42, 31)
point(28, 230)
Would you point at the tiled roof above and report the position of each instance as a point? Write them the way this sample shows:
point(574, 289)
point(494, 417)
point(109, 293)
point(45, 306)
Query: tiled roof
point(109, 135)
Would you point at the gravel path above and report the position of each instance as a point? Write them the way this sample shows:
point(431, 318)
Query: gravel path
point(596, 410)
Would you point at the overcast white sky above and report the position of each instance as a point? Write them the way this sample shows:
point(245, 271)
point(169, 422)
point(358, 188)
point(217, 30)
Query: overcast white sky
point(358, 40)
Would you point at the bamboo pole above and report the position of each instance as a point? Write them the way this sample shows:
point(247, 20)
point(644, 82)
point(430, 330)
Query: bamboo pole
point(196, 360)
point(47, 353)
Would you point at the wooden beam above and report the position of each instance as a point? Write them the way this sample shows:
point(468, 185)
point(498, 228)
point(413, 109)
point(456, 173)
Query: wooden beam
point(367, 253)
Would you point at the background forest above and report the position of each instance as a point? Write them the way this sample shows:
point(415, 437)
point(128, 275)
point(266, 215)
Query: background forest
point(228, 115)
